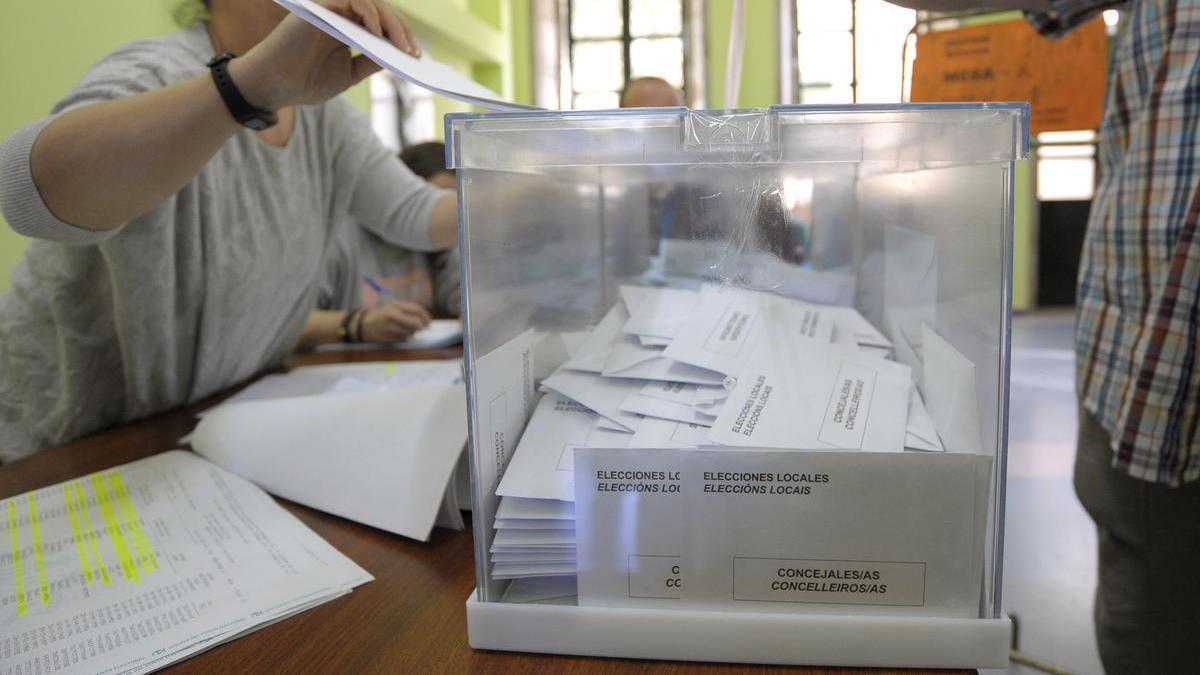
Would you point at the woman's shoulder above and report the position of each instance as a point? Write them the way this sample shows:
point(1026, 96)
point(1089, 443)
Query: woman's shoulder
point(142, 65)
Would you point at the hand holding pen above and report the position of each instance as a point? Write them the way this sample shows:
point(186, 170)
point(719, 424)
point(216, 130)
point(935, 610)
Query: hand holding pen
point(394, 320)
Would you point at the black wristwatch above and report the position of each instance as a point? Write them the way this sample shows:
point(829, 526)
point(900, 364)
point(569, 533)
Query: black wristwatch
point(241, 109)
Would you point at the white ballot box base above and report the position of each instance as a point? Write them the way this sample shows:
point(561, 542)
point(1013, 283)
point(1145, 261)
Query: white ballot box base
point(739, 637)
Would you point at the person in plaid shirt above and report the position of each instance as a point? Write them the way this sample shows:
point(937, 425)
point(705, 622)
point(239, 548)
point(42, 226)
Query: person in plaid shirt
point(1137, 465)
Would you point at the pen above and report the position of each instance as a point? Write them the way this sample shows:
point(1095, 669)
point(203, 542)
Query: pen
point(379, 288)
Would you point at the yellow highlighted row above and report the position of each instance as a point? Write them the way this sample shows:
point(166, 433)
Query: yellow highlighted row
point(145, 553)
point(18, 567)
point(128, 566)
point(38, 556)
point(93, 540)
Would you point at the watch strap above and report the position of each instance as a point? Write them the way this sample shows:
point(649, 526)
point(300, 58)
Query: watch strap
point(242, 110)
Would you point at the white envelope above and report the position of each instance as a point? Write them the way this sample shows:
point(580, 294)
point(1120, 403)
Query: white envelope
point(533, 570)
point(651, 341)
point(520, 507)
point(851, 327)
point(591, 355)
point(799, 395)
point(659, 312)
point(560, 556)
point(728, 326)
point(510, 538)
point(542, 465)
point(602, 394)
point(649, 406)
point(530, 524)
point(688, 394)
point(628, 358)
point(659, 433)
point(920, 434)
point(949, 389)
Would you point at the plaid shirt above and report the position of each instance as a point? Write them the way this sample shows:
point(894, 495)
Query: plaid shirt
point(1139, 277)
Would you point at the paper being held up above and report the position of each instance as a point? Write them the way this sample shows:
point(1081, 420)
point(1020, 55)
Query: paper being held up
point(424, 72)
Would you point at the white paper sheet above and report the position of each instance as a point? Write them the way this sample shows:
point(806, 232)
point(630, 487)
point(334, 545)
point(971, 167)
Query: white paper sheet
point(139, 537)
point(505, 398)
point(424, 72)
point(349, 377)
point(380, 458)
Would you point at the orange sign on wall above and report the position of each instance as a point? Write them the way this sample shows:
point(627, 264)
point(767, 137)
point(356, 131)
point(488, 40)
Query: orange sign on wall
point(1063, 80)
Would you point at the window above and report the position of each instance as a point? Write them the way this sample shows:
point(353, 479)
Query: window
point(1066, 165)
point(615, 41)
point(850, 51)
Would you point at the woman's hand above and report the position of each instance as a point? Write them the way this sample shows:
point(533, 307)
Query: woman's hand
point(394, 322)
point(297, 63)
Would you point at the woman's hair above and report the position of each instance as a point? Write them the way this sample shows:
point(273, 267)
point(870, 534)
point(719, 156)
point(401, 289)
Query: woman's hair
point(188, 12)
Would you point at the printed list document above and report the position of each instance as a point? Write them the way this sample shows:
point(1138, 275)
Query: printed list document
point(133, 568)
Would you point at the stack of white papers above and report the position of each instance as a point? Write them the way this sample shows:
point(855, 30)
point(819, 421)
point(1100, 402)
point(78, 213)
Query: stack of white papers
point(378, 443)
point(136, 567)
point(713, 367)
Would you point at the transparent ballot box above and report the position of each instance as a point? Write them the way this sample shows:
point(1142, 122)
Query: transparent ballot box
point(737, 380)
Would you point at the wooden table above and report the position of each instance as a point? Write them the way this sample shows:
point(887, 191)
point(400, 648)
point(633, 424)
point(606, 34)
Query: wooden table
point(411, 619)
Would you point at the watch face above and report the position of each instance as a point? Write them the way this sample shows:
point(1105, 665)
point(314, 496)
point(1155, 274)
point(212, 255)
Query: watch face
point(257, 124)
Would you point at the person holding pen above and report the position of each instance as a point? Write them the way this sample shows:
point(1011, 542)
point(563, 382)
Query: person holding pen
point(391, 291)
point(181, 198)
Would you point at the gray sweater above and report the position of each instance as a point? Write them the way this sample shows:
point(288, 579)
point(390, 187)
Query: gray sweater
point(201, 292)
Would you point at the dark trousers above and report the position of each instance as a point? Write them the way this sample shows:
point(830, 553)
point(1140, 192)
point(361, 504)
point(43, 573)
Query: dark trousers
point(1148, 594)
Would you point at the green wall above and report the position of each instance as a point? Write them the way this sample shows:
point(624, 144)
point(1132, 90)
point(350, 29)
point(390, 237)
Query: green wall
point(45, 47)
point(760, 59)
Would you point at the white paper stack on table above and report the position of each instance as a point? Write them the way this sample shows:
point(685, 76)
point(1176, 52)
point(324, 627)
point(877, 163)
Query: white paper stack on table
point(707, 368)
point(379, 443)
point(136, 567)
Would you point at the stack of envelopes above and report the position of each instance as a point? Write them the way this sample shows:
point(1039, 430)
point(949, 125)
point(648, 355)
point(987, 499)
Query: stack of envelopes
point(713, 367)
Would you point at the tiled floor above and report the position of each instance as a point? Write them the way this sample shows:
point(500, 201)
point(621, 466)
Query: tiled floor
point(1050, 547)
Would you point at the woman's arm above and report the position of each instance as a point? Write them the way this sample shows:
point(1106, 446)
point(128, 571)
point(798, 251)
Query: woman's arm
point(103, 164)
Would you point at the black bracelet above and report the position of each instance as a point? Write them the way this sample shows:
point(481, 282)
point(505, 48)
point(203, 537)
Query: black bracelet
point(358, 331)
point(343, 331)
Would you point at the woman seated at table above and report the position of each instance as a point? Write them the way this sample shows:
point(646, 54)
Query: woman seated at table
point(416, 285)
point(181, 202)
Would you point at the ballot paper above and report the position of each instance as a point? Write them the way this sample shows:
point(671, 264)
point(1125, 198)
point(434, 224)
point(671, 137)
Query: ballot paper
point(603, 395)
point(140, 566)
point(804, 395)
point(352, 455)
point(648, 406)
point(728, 325)
point(949, 386)
point(520, 507)
point(627, 357)
point(658, 312)
point(661, 433)
point(424, 72)
point(592, 354)
point(896, 534)
point(542, 465)
point(920, 434)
